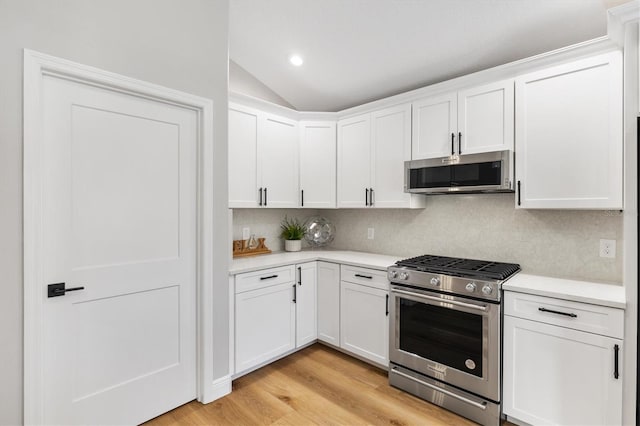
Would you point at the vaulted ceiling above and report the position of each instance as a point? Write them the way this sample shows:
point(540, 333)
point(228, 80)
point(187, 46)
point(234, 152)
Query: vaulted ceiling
point(356, 51)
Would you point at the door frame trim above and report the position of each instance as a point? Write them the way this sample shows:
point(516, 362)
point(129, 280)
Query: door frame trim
point(37, 65)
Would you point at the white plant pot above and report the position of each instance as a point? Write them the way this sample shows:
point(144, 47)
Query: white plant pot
point(292, 245)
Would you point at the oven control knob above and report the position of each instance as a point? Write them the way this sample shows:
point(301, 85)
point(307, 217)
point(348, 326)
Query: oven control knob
point(435, 281)
point(487, 289)
point(404, 276)
point(393, 274)
point(471, 287)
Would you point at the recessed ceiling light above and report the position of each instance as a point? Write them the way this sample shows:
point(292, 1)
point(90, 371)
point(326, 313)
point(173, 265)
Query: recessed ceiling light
point(296, 60)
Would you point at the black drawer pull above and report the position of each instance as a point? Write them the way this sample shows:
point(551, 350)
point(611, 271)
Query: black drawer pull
point(364, 276)
point(567, 314)
point(616, 349)
point(295, 294)
point(299, 275)
point(387, 313)
point(269, 277)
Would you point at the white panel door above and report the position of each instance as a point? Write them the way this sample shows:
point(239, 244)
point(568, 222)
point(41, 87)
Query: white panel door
point(435, 122)
point(318, 164)
point(555, 375)
point(119, 219)
point(485, 118)
point(243, 157)
point(354, 161)
point(278, 157)
point(329, 303)
point(390, 148)
point(569, 143)
point(265, 324)
point(364, 322)
point(306, 307)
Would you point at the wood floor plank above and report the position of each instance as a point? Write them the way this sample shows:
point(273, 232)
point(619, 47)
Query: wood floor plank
point(315, 386)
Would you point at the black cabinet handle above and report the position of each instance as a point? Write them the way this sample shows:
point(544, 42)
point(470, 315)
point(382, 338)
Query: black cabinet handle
point(371, 196)
point(295, 293)
point(459, 142)
point(260, 191)
point(518, 192)
point(302, 197)
point(616, 373)
point(265, 196)
point(366, 196)
point(58, 289)
point(453, 150)
point(567, 314)
point(268, 278)
point(387, 313)
point(299, 276)
point(364, 276)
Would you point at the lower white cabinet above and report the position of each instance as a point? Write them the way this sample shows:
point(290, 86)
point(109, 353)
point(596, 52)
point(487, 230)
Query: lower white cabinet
point(560, 374)
point(329, 303)
point(364, 318)
point(305, 300)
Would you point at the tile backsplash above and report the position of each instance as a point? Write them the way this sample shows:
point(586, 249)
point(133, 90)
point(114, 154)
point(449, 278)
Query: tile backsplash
point(559, 243)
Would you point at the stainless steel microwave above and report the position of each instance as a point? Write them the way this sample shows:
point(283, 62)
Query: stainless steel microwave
point(469, 173)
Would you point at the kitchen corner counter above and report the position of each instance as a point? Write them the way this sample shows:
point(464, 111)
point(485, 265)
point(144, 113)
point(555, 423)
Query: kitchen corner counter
point(355, 258)
point(574, 290)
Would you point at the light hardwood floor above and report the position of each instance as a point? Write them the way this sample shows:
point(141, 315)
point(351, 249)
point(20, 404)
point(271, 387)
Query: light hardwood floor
point(315, 386)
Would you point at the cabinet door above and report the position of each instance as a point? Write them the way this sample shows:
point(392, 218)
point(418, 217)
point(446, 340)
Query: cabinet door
point(243, 157)
point(569, 135)
point(318, 164)
point(354, 161)
point(364, 322)
point(485, 118)
point(265, 324)
point(329, 303)
point(555, 375)
point(434, 122)
point(278, 157)
point(306, 312)
point(390, 148)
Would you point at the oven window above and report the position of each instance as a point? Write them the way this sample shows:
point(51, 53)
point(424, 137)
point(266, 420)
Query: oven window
point(446, 336)
point(430, 177)
point(477, 174)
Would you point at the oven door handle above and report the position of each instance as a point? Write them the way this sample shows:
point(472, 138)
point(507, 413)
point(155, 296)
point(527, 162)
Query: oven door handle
point(482, 308)
point(437, 389)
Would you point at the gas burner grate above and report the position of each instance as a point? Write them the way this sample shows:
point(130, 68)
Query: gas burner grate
point(471, 268)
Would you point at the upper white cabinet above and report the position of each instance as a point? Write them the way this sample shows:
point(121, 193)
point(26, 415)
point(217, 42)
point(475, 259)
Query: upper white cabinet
point(372, 149)
point(471, 121)
point(318, 164)
point(263, 159)
point(569, 142)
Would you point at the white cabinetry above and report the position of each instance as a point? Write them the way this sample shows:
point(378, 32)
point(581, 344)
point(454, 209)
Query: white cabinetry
point(306, 306)
point(263, 159)
point(265, 316)
point(471, 121)
point(562, 361)
point(318, 164)
point(329, 303)
point(569, 142)
point(364, 313)
point(372, 149)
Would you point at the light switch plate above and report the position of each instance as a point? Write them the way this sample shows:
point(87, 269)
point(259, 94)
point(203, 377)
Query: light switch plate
point(608, 248)
point(246, 233)
point(370, 233)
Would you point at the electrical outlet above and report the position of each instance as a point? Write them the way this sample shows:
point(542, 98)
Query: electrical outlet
point(246, 233)
point(370, 233)
point(608, 248)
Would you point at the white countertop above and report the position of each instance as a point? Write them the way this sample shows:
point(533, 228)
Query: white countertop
point(578, 291)
point(355, 258)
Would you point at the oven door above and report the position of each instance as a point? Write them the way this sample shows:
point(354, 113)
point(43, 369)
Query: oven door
point(450, 338)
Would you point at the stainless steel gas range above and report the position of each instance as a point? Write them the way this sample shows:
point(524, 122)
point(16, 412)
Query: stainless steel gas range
point(445, 332)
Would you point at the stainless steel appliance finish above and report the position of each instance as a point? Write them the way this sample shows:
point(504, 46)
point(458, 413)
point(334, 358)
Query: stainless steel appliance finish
point(471, 173)
point(445, 332)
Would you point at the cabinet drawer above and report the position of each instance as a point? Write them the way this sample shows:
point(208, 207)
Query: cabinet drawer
point(364, 276)
point(596, 319)
point(264, 278)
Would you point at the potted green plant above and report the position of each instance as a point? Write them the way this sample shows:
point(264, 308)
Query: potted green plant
point(292, 232)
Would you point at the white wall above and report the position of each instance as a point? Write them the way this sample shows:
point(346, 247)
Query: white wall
point(241, 81)
point(181, 44)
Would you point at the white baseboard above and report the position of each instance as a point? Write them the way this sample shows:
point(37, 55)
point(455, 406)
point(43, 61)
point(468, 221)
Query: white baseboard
point(219, 388)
